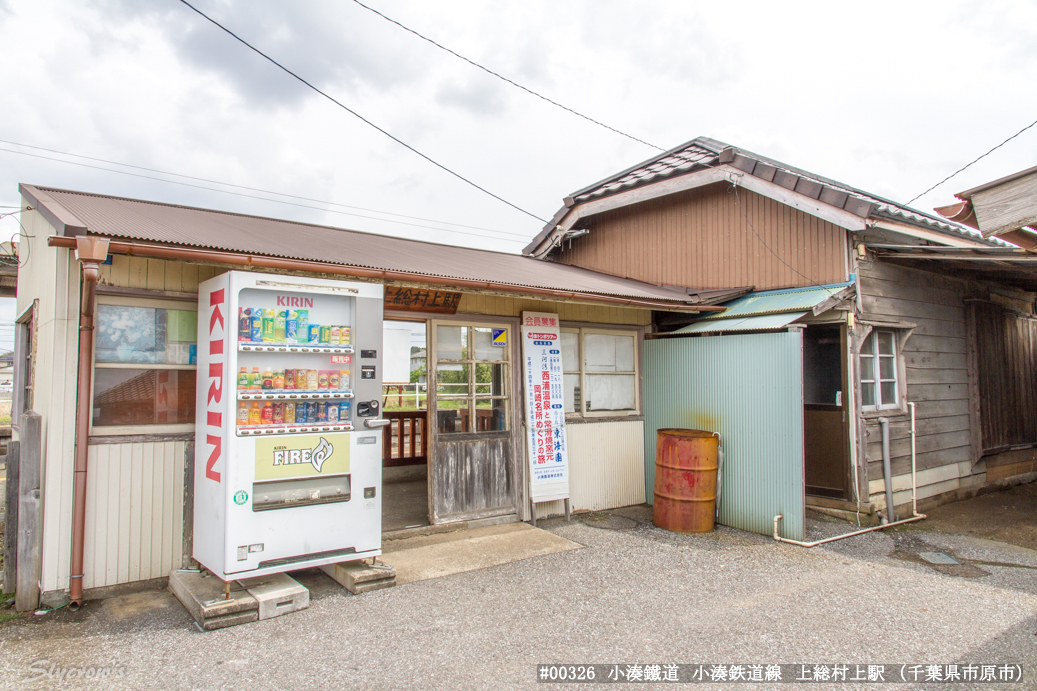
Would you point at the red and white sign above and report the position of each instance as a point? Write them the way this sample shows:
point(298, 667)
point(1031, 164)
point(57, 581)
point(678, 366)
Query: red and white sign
point(545, 408)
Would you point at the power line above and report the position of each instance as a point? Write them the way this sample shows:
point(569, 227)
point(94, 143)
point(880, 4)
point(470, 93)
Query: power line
point(974, 161)
point(266, 199)
point(509, 81)
point(361, 117)
point(251, 189)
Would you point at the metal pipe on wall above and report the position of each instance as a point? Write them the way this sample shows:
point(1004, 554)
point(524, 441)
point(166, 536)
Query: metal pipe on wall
point(90, 252)
point(914, 493)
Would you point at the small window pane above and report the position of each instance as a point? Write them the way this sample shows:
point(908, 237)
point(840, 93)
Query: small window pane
point(610, 392)
point(491, 415)
point(484, 348)
point(571, 385)
point(491, 379)
point(451, 342)
point(885, 339)
point(571, 351)
point(452, 415)
point(868, 347)
point(452, 380)
point(147, 335)
point(143, 397)
point(607, 353)
point(887, 368)
point(624, 353)
point(889, 393)
point(867, 394)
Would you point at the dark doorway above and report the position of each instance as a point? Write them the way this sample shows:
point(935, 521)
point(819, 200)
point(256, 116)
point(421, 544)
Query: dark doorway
point(825, 412)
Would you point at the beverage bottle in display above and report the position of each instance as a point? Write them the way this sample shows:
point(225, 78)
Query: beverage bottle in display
point(300, 379)
point(343, 379)
point(300, 413)
point(302, 326)
point(314, 334)
point(280, 325)
point(289, 378)
point(333, 412)
point(343, 411)
point(333, 380)
point(290, 327)
point(334, 336)
point(268, 380)
point(311, 411)
point(268, 326)
point(325, 335)
point(244, 324)
point(243, 413)
point(322, 411)
point(243, 382)
point(256, 335)
point(255, 415)
point(279, 413)
point(267, 414)
point(289, 413)
point(255, 380)
point(344, 336)
point(278, 379)
point(311, 379)
point(322, 379)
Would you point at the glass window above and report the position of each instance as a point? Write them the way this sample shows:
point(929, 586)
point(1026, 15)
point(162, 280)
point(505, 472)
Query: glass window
point(879, 371)
point(145, 355)
point(600, 371)
point(471, 383)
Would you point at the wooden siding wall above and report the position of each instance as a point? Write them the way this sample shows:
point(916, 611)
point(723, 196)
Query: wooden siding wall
point(134, 512)
point(1006, 354)
point(155, 274)
point(935, 366)
point(472, 303)
point(52, 275)
point(701, 239)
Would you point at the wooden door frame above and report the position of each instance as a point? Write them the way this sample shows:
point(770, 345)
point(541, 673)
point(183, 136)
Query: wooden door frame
point(514, 399)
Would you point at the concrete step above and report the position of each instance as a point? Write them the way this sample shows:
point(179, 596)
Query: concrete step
point(203, 596)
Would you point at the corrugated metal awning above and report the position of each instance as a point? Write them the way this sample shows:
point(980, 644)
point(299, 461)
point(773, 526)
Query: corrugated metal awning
point(783, 300)
point(758, 323)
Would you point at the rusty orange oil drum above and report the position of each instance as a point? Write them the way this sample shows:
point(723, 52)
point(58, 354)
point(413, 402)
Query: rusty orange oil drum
point(685, 480)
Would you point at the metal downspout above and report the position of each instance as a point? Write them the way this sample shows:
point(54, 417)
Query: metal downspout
point(90, 252)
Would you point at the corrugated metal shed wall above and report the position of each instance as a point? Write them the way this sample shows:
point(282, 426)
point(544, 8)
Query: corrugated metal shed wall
point(700, 238)
point(749, 388)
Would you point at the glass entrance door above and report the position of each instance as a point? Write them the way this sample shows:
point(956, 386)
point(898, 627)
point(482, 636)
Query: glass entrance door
point(473, 452)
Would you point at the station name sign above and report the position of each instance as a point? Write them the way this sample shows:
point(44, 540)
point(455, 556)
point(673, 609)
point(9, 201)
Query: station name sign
point(421, 300)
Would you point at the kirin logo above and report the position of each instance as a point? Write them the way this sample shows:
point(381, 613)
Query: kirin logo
point(315, 456)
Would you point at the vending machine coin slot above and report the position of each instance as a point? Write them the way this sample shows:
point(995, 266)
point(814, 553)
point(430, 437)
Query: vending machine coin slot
point(367, 408)
point(367, 372)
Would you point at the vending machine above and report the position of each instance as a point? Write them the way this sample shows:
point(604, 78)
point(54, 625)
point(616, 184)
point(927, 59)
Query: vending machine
point(288, 440)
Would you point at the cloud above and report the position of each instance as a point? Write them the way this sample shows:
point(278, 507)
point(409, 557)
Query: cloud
point(480, 97)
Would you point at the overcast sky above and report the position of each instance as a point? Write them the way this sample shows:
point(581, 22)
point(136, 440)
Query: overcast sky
point(890, 97)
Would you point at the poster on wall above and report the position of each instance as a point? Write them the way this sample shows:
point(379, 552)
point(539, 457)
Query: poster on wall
point(545, 407)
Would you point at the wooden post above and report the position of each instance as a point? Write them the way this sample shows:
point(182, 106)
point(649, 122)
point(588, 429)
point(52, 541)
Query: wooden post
point(11, 518)
point(27, 580)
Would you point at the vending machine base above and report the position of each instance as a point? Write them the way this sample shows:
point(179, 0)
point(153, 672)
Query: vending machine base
point(216, 604)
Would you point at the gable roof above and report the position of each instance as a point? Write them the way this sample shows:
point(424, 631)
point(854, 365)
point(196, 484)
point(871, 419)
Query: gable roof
point(77, 213)
point(703, 154)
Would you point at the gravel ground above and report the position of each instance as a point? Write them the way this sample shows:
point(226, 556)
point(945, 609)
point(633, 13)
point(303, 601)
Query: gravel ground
point(635, 594)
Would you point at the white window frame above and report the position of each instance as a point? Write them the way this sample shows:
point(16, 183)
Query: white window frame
point(581, 369)
point(23, 365)
point(133, 430)
point(869, 364)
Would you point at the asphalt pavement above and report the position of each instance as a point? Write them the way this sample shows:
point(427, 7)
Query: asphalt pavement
point(634, 594)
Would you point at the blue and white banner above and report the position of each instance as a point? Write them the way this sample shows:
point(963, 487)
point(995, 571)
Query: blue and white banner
point(545, 407)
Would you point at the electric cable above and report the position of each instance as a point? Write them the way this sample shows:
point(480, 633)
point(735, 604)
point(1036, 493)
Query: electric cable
point(974, 161)
point(266, 199)
point(251, 189)
point(509, 81)
point(361, 117)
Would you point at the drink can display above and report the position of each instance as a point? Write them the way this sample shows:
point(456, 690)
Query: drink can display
point(311, 379)
point(268, 380)
point(334, 335)
point(325, 335)
point(333, 380)
point(280, 320)
point(314, 333)
point(289, 379)
point(311, 411)
point(244, 324)
point(343, 379)
point(343, 335)
point(257, 325)
point(278, 379)
point(279, 413)
point(300, 379)
point(243, 413)
point(302, 326)
point(268, 326)
point(289, 413)
point(322, 411)
point(333, 412)
point(322, 380)
point(291, 326)
point(243, 380)
point(343, 411)
point(300, 413)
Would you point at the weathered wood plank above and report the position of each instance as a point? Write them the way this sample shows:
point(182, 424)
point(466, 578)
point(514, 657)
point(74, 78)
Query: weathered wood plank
point(917, 359)
point(910, 310)
point(935, 344)
point(1007, 206)
point(924, 461)
point(904, 288)
point(29, 559)
point(901, 428)
point(929, 375)
point(12, 489)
